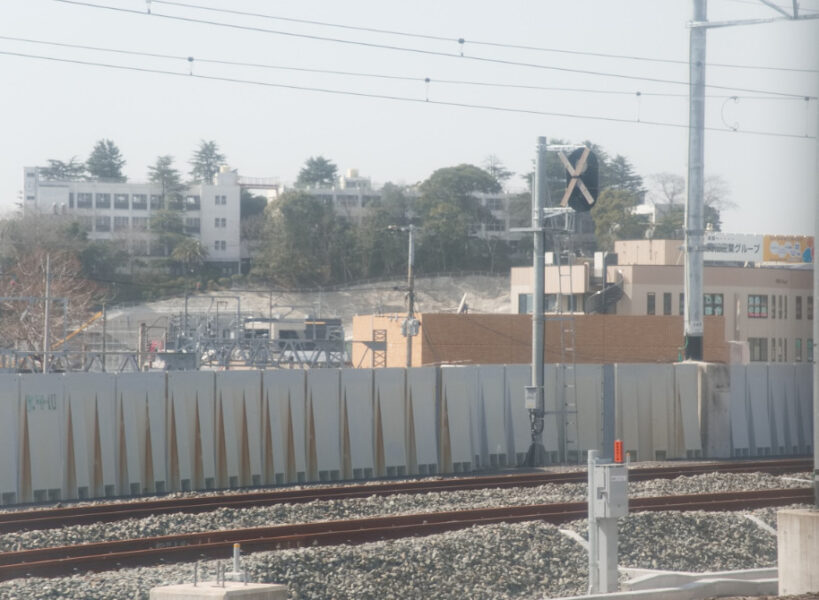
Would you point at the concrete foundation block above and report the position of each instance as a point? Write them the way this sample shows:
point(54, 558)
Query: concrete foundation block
point(210, 590)
point(798, 551)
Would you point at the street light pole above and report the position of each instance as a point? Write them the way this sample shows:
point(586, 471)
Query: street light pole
point(409, 327)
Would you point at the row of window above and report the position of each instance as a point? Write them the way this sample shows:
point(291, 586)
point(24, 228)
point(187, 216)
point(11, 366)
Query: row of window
point(777, 351)
point(713, 304)
point(758, 307)
point(103, 223)
point(138, 201)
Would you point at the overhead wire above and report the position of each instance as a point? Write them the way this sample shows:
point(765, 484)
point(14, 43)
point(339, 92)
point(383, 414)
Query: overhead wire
point(420, 51)
point(388, 97)
point(463, 41)
point(416, 79)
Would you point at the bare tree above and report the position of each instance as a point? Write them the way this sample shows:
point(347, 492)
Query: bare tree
point(666, 188)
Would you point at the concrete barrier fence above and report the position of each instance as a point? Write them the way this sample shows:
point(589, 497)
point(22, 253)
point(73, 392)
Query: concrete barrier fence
point(103, 435)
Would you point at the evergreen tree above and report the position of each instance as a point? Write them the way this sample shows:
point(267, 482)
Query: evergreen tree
point(106, 162)
point(205, 162)
point(58, 170)
point(317, 172)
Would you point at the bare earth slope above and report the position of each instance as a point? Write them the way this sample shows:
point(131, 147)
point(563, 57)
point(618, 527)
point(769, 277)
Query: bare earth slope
point(484, 294)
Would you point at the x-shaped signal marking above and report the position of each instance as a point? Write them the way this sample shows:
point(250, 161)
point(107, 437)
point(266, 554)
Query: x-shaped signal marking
point(575, 173)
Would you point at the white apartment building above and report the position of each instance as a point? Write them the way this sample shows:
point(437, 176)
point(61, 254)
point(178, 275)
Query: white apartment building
point(122, 212)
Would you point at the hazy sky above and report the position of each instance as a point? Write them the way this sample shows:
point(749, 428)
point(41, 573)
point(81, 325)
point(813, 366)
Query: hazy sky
point(52, 109)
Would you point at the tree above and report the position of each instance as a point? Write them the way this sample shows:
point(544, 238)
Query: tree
point(106, 162)
point(189, 254)
point(27, 242)
point(164, 173)
point(58, 170)
point(614, 218)
point(666, 188)
point(495, 168)
point(306, 244)
point(620, 175)
point(381, 252)
point(206, 161)
point(317, 172)
point(450, 213)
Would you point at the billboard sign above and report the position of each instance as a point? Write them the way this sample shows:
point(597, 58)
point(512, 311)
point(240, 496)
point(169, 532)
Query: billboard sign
point(795, 249)
point(732, 247)
point(742, 247)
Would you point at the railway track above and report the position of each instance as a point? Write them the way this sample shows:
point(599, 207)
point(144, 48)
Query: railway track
point(80, 514)
point(102, 556)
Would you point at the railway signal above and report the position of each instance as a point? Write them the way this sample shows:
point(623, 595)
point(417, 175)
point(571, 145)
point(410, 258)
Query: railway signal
point(581, 179)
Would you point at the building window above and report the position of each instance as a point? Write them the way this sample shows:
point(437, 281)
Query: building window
point(809, 349)
point(103, 201)
point(102, 224)
point(758, 306)
point(156, 202)
point(121, 201)
point(494, 203)
point(192, 203)
point(650, 304)
point(220, 245)
point(799, 307)
point(84, 200)
point(139, 247)
point(785, 348)
point(220, 222)
point(779, 351)
point(773, 306)
point(797, 349)
point(70, 199)
point(758, 349)
point(666, 303)
point(120, 223)
point(192, 225)
point(781, 311)
point(809, 310)
point(220, 200)
point(86, 223)
point(682, 304)
point(524, 304)
point(139, 202)
point(139, 223)
point(713, 304)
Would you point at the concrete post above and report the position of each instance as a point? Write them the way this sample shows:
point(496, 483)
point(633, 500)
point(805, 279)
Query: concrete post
point(540, 190)
point(694, 222)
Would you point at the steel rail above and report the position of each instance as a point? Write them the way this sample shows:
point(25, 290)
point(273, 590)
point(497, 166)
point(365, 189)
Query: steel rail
point(96, 513)
point(67, 560)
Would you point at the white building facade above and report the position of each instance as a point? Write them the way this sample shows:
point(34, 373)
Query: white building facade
point(121, 212)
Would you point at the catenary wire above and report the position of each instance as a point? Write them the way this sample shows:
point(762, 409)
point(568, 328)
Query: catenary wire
point(383, 75)
point(388, 97)
point(416, 50)
point(464, 41)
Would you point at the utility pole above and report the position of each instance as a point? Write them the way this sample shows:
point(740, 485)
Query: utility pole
point(694, 206)
point(816, 327)
point(536, 456)
point(47, 301)
point(409, 327)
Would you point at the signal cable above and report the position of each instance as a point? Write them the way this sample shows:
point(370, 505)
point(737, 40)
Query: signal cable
point(415, 50)
point(405, 99)
point(463, 41)
point(385, 76)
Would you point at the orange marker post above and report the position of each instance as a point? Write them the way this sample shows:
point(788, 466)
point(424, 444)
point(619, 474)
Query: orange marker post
point(618, 451)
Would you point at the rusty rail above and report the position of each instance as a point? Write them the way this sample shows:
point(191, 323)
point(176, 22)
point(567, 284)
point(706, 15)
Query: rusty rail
point(67, 560)
point(72, 515)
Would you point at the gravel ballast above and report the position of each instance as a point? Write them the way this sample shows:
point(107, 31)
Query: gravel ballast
point(523, 560)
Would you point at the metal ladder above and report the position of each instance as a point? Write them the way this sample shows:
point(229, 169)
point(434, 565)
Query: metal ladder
point(568, 425)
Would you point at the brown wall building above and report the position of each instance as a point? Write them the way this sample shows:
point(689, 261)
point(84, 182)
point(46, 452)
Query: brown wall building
point(507, 339)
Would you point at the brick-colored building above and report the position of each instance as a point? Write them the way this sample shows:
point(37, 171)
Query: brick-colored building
point(507, 339)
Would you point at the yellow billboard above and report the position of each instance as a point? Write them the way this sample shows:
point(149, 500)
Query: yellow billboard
point(788, 248)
